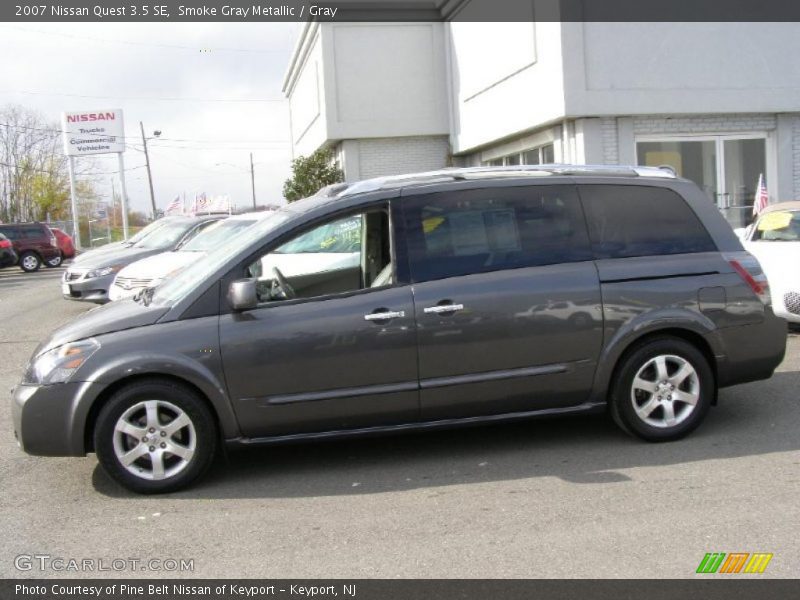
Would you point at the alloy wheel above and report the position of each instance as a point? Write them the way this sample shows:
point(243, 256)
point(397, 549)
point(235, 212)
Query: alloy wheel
point(665, 391)
point(154, 440)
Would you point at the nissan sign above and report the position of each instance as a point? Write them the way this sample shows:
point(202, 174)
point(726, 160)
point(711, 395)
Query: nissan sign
point(93, 132)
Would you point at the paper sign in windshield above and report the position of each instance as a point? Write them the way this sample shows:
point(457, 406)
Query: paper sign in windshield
point(775, 220)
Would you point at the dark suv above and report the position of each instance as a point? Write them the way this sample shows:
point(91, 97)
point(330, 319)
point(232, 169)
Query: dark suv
point(412, 303)
point(34, 243)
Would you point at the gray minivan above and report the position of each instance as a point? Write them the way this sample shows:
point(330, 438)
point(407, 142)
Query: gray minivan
point(411, 303)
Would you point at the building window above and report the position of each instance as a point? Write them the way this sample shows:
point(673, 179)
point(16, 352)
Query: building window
point(726, 167)
point(534, 156)
point(531, 157)
point(543, 155)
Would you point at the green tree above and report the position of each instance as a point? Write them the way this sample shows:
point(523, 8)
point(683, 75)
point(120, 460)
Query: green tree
point(310, 174)
point(49, 194)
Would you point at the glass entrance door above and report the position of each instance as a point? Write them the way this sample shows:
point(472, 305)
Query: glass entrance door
point(744, 161)
point(725, 167)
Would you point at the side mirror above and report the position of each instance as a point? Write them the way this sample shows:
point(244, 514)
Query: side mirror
point(242, 294)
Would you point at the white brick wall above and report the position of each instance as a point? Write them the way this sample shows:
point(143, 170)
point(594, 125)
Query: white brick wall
point(395, 156)
point(657, 124)
point(796, 156)
point(608, 131)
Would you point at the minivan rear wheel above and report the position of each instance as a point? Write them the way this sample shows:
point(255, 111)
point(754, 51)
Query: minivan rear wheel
point(663, 389)
point(29, 262)
point(155, 436)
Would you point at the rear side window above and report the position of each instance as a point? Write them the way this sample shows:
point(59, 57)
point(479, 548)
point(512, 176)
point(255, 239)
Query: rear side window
point(474, 231)
point(633, 220)
point(32, 232)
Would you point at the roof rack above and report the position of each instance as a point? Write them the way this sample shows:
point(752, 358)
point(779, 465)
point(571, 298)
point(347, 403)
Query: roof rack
point(471, 173)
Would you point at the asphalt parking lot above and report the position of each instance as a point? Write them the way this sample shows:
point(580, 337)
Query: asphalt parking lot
point(550, 498)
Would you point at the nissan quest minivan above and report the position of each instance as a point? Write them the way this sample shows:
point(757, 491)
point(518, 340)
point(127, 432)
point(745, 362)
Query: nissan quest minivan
point(462, 296)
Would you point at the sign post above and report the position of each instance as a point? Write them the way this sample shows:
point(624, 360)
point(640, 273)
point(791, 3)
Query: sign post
point(94, 132)
point(76, 232)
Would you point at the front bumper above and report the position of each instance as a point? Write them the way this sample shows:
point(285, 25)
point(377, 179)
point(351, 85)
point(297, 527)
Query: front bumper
point(49, 420)
point(8, 258)
point(786, 303)
point(87, 290)
point(118, 293)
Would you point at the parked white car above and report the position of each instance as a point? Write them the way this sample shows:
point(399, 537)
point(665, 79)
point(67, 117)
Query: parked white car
point(153, 270)
point(774, 239)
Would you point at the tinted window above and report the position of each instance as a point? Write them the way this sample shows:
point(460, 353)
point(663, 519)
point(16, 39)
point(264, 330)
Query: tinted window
point(633, 220)
point(473, 231)
point(32, 232)
point(11, 233)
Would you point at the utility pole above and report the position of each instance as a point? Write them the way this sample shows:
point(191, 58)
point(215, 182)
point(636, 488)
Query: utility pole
point(149, 175)
point(253, 180)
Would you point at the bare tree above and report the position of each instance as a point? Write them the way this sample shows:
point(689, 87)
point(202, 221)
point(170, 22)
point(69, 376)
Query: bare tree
point(34, 180)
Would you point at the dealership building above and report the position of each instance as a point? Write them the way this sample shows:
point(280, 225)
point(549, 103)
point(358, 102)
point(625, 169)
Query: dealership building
point(719, 102)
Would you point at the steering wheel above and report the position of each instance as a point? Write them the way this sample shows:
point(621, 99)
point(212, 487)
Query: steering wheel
point(280, 287)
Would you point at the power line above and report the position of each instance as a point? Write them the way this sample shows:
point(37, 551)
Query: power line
point(51, 171)
point(151, 44)
point(160, 139)
point(142, 98)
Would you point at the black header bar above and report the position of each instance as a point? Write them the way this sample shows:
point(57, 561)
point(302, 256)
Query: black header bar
point(262, 11)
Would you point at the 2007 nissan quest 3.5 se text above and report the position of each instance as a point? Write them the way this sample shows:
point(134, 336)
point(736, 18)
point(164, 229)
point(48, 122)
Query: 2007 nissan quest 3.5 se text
point(409, 303)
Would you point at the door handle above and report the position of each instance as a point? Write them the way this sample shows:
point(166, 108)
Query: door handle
point(385, 316)
point(443, 308)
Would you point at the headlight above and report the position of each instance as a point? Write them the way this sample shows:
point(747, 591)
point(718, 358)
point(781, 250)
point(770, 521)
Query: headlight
point(58, 365)
point(103, 272)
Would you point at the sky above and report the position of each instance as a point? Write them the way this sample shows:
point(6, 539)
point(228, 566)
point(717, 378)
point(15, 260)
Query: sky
point(212, 89)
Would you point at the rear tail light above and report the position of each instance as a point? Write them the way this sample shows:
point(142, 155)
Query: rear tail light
point(749, 269)
point(5, 244)
point(53, 240)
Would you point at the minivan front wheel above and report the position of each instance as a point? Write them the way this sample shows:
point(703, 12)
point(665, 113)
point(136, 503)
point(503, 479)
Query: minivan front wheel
point(663, 389)
point(155, 436)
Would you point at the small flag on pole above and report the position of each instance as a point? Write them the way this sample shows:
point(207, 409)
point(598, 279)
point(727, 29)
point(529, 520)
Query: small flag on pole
point(200, 203)
point(221, 204)
point(761, 200)
point(174, 207)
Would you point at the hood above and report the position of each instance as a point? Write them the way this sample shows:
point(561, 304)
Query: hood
point(780, 260)
point(90, 254)
point(123, 256)
point(109, 318)
point(159, 265)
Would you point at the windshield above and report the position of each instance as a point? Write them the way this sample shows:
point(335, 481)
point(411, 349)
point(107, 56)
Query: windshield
point(216, 234)
point(778, 226)
point(167, 235)
point(143, 233)
point(199, 271)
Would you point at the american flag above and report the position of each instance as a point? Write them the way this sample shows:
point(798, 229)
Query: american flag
point(200, 203)
point(762, 198)
point(176, 206)
point(221, 204)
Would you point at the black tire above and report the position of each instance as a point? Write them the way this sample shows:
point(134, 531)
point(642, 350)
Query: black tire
point(55, 261)
point(170, 393)
point(30, 262)
point(624, 399)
